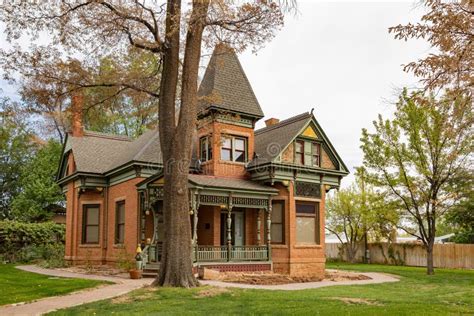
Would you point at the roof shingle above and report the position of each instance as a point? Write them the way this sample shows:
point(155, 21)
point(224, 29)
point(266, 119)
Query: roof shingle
point(225, 85)
point(270, 141)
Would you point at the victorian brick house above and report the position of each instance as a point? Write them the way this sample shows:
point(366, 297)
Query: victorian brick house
point(257, 196)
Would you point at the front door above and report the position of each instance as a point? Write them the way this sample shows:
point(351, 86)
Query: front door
point(237, 228)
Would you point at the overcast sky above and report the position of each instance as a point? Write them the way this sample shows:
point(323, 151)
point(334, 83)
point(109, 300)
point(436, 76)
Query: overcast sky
point(337, 58)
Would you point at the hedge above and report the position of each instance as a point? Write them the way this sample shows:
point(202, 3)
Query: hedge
point(21, 241)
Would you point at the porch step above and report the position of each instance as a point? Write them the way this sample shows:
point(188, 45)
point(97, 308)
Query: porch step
point(149, 274)
point(152, 266)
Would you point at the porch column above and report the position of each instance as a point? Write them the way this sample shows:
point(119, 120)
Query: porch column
point(229, 229)
point(194, 210)
point(259, 223)
point(269, 228)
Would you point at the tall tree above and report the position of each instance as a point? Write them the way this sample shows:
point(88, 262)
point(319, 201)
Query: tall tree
point(46, 83)
point(449, 27)
point(418, 158)
point(359, 214)
point(93, 28)
point(16, 147)
point(40, 195)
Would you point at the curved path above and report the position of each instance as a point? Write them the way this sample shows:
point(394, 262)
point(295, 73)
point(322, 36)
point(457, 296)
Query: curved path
point(123, 286)
point(49, 304)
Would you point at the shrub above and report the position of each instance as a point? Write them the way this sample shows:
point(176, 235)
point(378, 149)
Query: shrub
point(24, 242)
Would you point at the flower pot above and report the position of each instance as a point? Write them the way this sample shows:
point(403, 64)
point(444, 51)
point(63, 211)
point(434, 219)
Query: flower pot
point(135, 274)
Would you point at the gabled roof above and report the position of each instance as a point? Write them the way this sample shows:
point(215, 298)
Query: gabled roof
point(225, 85)
point(100, 153)
point(272, 140)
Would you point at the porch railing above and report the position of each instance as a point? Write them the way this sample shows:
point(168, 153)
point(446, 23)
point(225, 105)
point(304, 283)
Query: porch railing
point(237, 253)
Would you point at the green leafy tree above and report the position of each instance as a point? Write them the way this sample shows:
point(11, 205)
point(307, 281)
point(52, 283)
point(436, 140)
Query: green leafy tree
point(39, 191)
point(461, 218)
point(419, 157)
point(359, 214)
point(16, 146)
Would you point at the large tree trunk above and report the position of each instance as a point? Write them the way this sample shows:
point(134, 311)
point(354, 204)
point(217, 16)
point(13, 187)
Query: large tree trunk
point(429, 260)
point(176, 262)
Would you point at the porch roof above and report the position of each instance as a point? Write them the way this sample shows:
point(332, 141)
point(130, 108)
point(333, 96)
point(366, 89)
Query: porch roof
point(229, 183)
point(212, 182)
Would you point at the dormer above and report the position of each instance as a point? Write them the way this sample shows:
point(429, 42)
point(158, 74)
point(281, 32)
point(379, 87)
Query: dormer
point(227, 113)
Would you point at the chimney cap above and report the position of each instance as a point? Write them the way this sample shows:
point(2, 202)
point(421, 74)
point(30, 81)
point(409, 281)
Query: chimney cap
point(271, 121)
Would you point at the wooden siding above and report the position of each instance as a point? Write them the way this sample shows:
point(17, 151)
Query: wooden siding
point(444, 256)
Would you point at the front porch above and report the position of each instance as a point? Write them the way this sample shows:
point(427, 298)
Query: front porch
point(230, 223)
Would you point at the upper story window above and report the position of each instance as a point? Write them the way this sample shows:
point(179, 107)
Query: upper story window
point(307, 153)
point(234, 148)
point(205, 146)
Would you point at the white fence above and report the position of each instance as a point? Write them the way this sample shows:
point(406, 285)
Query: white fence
point(444, 255)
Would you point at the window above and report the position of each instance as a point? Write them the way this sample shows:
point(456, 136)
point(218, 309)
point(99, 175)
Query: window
point(307, 223)
point(234, 149)
point(239, 149)
point(316, 154)
point(119, 222)
point(90, 224)
point(307, 153)
point(206, 148)
point(299, 145)
point(278, 227)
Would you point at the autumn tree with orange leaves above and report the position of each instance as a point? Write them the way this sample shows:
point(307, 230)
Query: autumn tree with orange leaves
point(173, 32)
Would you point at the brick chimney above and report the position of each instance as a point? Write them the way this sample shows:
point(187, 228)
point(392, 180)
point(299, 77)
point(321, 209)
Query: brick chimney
point(272, 121)
point(77, 106)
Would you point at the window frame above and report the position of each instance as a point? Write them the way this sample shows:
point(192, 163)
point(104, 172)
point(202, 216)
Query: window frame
point(314, 155)
point(283, 239)
point(317, 219)
point(206, 141)
point(232, 149)
point(117, 240)
point(301, 156)
point(85, 214)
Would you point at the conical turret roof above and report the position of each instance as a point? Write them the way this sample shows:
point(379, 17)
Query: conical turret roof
point(225, 85)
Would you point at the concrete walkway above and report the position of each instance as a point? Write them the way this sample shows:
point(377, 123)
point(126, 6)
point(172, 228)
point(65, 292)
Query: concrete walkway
point(49, 304)
point(375, 278)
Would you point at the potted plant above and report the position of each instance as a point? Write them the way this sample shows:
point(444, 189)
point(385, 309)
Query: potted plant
point(126, 264)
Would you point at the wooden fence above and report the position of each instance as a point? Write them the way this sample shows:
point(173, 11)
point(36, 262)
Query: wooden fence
point(445, 255)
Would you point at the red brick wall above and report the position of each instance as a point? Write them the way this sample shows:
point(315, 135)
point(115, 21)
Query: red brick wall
point(106, 250)
point(217, 167)
point(209, 216)
point(298, 260)
point(125, 191)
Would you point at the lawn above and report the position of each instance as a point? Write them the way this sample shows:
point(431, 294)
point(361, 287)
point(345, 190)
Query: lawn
point(447, 292)
point(21, 286)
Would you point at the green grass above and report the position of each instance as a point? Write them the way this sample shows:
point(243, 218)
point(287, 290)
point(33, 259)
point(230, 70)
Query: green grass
point(21, 286)
point(449, 292)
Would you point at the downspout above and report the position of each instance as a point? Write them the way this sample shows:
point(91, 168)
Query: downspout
point(106, 220)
